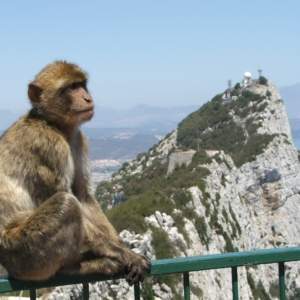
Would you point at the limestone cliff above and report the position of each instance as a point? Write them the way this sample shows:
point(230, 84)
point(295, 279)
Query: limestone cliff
point(228, 179)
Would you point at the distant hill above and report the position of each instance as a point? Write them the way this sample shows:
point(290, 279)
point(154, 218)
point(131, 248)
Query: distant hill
point(291, 97)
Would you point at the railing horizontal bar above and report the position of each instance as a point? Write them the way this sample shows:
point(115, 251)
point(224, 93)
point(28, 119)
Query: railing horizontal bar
point(227, 260)
point(168, 266)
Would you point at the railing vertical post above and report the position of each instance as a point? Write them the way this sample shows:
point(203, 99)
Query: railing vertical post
point(137, 291)
point(186, 286)
point(235, 285)
point(32, 294)
point(281, 271)
point(85, 291)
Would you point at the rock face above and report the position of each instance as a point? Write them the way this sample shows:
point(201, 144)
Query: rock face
point(239, 191)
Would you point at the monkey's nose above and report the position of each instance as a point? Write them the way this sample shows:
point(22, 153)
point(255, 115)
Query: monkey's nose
point(88, 100)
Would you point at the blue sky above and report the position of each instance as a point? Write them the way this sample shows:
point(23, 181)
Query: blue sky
point(163, 52)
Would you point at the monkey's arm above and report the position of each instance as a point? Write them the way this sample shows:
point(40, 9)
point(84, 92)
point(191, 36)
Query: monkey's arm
point(106, 237)
point(109, 250)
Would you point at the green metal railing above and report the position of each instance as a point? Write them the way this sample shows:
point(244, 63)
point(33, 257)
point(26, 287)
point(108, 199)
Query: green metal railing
point(183, 265)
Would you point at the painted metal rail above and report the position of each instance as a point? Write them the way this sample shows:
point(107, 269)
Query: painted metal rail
point(183, 265)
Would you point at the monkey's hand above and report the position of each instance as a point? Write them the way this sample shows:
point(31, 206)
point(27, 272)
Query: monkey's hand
point(137, 267)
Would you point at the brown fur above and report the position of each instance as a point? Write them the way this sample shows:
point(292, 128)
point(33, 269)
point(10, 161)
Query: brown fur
point(49, 220)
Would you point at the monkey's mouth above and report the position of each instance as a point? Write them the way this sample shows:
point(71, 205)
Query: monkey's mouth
point(87, 110)
point(87, 114)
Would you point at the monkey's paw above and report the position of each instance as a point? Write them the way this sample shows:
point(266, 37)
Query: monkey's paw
point(138, 266)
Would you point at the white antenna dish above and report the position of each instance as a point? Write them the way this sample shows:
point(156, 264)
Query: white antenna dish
point(247, 75)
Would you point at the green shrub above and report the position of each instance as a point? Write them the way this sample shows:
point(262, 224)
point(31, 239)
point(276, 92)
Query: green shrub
point(130, 214)
point(147, 291)
point(237, 86)
point(162, 244)
point(263, 80)
point(104, 193)
point(202, 231)
point(254, 146)
point(181, 198)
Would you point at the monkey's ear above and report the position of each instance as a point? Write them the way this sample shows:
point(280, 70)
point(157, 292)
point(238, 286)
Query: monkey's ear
point(34, 92)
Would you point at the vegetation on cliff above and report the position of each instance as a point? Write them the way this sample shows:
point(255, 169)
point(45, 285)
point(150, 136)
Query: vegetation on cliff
point(217, 125)
point(227, 126)
point(154, 191)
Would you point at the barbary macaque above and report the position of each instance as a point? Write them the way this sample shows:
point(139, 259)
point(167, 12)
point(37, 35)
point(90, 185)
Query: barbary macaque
point(50, 221)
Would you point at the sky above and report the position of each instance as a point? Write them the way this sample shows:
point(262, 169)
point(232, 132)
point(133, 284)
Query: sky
point(158, 52)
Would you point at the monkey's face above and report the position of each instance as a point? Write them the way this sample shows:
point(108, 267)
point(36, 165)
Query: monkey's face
point(60, 95)
point(70, 105)
point(76, 103)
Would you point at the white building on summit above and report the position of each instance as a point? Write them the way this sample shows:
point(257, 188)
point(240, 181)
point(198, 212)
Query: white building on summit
point(247, 80)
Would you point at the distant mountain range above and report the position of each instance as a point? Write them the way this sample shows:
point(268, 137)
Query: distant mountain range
point(291, 97)
point(125, 132)
point(143, 117)
point(122, 134)
point(147, 118)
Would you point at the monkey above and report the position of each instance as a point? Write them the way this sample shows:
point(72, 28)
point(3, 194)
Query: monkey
point(50, 222)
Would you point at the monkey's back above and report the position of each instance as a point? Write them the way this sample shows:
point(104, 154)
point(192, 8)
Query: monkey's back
point(32, 154)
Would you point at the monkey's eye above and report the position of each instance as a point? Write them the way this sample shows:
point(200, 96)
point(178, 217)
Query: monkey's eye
point(73, 87)
point(68, 88)
point(77, 85)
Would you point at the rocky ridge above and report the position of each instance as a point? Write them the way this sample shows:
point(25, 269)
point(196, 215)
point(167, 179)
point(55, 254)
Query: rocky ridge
point(239, 190)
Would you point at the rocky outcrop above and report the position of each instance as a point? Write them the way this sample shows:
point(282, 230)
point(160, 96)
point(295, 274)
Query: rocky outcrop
point(236, 196)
